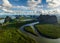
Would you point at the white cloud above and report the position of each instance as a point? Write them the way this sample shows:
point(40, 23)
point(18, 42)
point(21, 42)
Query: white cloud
point(53, 3)
point(53, 6)
point(33, 6)
point(33, 3)
point(6, 3)
point(51, 11)
point(7, 11)
point(6, 6)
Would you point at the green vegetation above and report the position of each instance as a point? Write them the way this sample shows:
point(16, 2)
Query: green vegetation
point(30, 30)
point(15, 23)
point(10, 33)
point(49, 30)
point(1, 18)
point(14, 36)
point(23, 18)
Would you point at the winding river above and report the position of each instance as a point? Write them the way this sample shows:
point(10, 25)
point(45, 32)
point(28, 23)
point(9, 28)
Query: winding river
point(39, 38)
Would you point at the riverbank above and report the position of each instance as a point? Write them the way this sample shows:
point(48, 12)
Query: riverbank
point(49, 30)
point(41, 37)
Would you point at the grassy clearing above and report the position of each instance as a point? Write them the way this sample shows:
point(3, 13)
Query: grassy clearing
point(49, 30)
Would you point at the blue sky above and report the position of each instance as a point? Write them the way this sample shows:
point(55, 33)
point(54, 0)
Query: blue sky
point(22, 2)
point(18, 2)
point(48, 7)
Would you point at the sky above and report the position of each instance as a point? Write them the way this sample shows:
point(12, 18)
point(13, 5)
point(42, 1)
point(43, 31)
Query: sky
point(29, 7)
point(20, 2)
point(23, 2)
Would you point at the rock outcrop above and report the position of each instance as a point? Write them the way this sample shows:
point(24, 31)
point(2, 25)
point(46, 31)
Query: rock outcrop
point(47, 19)
point(7, 19)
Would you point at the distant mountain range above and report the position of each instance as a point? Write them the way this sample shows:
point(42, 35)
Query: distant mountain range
point(31, 16)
